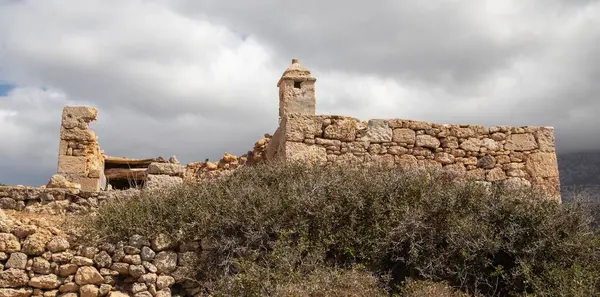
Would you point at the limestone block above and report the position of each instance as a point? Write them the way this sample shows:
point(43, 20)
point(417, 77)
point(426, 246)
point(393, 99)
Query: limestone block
point(545, 139)
point(89, 184)
point(309, 154)
point(161, 181)
point(406, 161)
point(427, 141)
point(165, 168)
point(298, 127)
point(471, 145)
point(542, 165)
point(495, 174)
point(404, 135)
point(379, 131)
point(344, 130)
point(85, 113)
point(77, 134)
point(520, 142)
point(418, 125)
point(71, 164)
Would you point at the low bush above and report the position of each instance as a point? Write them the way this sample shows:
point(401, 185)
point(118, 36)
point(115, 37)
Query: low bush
point(290, 228)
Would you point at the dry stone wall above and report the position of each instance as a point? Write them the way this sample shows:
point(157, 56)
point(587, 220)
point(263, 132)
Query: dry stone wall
point(522, 156)
point(37, 259)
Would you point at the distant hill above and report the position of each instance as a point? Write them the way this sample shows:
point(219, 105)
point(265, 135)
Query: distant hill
point(579, 174)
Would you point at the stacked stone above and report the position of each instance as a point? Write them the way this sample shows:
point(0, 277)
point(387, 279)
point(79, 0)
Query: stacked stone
point(80, 159)
point(54, 201)
point(40, 261)
point(161, 175)
point(521, 156)
point(259, 152)
point(200, 171)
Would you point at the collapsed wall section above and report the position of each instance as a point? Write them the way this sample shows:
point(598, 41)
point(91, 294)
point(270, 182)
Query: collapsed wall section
point(80, 159)
point(523, 156)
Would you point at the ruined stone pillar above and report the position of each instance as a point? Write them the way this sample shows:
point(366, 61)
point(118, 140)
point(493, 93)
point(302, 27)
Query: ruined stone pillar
point(80, 159)
point(296, 91)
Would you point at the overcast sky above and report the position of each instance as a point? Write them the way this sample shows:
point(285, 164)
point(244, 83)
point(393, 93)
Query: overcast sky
point(198, 78)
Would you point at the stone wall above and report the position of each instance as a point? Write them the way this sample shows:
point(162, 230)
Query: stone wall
point(56, 201)
point(80, 159)
point(518, 155)
point(37, 259)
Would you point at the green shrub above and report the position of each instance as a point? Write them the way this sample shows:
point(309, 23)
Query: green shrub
point(269, 224)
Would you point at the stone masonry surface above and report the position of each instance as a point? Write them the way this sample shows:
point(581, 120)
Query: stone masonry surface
point(38, 259)
point(522, 156)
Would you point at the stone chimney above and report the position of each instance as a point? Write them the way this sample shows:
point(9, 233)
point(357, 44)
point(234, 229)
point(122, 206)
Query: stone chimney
point(296, 91)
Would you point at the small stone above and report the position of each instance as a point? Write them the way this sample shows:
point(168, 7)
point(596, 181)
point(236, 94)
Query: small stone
point(13, 278)
point(67, 269)
point(138, 241)
point(149, 278)
point(41, 266)
point(49, 281)
point(59, 181)
point(487, 162)
point(138, 287)
point(82, 261)
point(22, 292)
point(89, 252)
point(163, 293)
point(88, 275)
point(24, 230)
point(69, 295)
point(132, 259)
point(143, 294)
point(162, 242)
point(150, 267)
point(89, 291)
point(9, 243)
point(103, 259)
point(136, 270)
point(58, 244)
point(164, 281)
point(117, 294)
point(62, 258)
point(173, 160)
point(427, 141)
point(496, 174)
point(35, 244)
point(104, 289)
point(147, 254)
point(121, 268)
point(130, 250)
point(3, 256)
point(69, 287)
point(17, 260)
point(165, 262)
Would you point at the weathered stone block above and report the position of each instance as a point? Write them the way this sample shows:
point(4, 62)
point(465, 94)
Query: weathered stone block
point(344, 130)
point(542, 165)
point(308, 154)
point(404, 135)
point(379, 131)
point(71, 164)
point(520, 142)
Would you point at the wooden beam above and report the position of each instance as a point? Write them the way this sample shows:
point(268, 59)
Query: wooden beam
point(134, 162)
point(126, 173)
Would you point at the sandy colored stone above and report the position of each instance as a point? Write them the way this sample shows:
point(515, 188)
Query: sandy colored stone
point(35, 244)
point(58, 244)
point(404, 135)
point(71, 164)
point(164, 281)
point(117, 294)
point(304, 153)
point(59, 181)
point(88, 275)
point(165, 168)
point(545, 139)
point(471, 145)
point(82, 261)
point(41, 266)
point(47, 282)
point(13, 278)
point(9, 243)
point(67, 269)
point(161, 181)
point(165, 261)
point(492, 145)
point(379, 131)
point(22, 292)
point(542, 165)
point(520, 142)
point(69, 288)
point(427, 141)
point(298, 127)
point(88, 291)
point(496, 174)
point(444, 158)
point(344, 130)
point(17, 260)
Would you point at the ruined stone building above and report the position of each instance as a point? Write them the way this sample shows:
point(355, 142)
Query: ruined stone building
point(521, 156)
